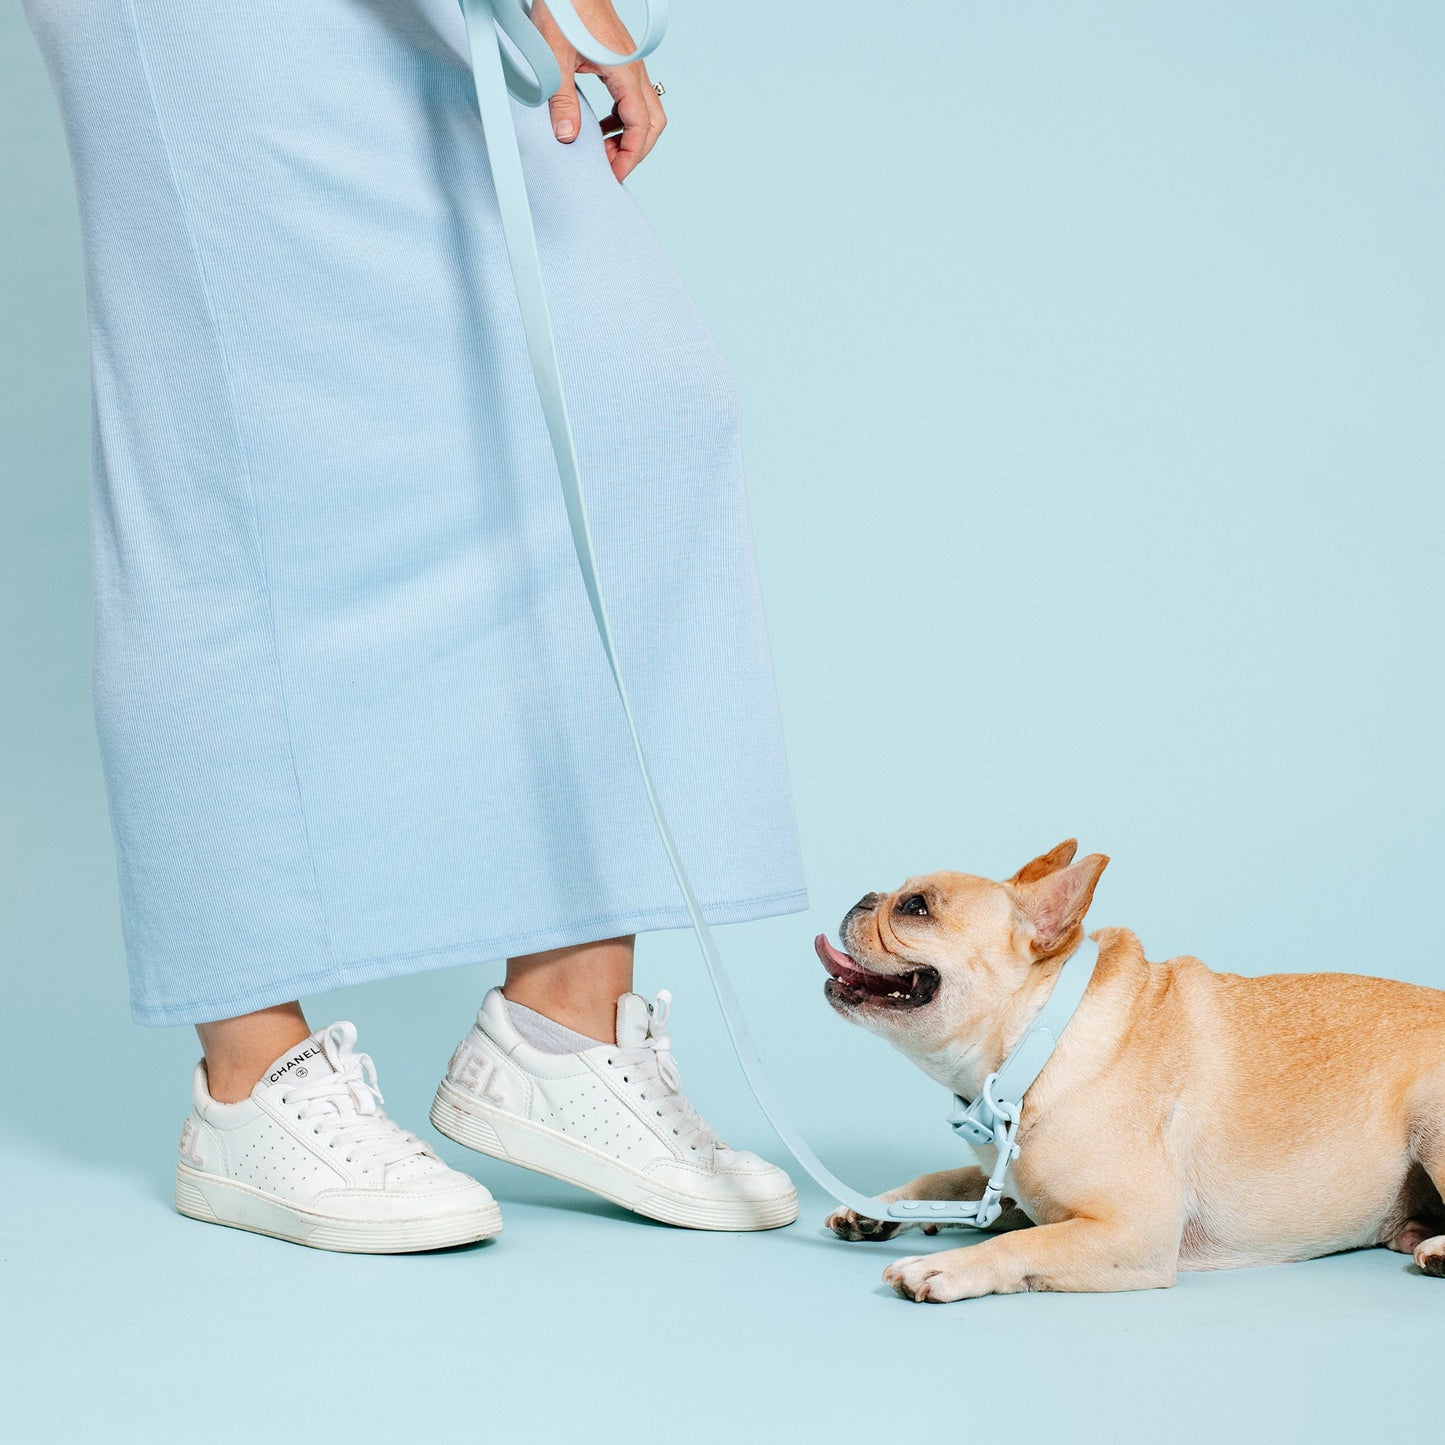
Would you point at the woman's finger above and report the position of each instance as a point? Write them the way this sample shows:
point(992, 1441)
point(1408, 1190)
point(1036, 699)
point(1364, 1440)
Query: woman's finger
point(654, 107)
point(566, 109)
point(633, 138)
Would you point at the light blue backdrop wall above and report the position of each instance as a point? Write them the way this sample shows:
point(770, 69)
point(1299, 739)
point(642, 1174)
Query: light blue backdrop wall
point(1093, 368)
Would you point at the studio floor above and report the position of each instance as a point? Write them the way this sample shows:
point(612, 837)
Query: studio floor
point(123, 1321)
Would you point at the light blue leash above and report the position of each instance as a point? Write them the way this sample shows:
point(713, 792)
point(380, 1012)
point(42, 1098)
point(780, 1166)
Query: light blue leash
point(991, 1119)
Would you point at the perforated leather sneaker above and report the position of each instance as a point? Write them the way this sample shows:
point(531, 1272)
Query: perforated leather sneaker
point(311, 1157)
point(611, 1119)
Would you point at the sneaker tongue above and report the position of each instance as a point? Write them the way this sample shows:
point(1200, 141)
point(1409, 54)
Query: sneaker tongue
point(306, 1061)
point(632, 1020)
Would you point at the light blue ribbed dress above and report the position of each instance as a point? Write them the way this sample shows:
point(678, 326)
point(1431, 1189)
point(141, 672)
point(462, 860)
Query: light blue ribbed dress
point(354, 718)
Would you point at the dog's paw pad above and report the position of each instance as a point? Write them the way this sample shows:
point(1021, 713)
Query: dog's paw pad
point(1430, 1256)
point(848, 1224)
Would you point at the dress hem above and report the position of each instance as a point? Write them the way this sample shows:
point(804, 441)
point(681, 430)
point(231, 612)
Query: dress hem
point(457, 955)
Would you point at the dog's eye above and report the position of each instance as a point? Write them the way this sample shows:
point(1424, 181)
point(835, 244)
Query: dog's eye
point(915, 906)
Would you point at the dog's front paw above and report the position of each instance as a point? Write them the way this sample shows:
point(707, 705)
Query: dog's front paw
point(849, 1224)
point(935, 1278)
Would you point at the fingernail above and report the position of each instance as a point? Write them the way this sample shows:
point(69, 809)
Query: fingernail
point(565, 130)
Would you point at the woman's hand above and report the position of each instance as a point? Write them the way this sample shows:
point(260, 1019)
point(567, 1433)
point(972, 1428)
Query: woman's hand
point(637, 117)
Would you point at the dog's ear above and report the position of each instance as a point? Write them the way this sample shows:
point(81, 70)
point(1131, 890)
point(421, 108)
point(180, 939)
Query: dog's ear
point(1047, 863)
point(1055, 904)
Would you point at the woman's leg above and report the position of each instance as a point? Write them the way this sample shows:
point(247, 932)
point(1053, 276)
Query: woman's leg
point(238, 1051)
point(577, 987)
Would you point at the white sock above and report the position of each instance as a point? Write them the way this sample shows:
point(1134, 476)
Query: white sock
point(547, 1034)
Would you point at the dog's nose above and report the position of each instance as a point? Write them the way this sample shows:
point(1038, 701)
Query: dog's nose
point(867, 903)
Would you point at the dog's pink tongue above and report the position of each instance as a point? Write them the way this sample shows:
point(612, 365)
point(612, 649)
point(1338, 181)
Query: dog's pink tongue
point(833, 959)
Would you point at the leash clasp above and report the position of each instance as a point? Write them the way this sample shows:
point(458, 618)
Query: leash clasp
point(989, 1122)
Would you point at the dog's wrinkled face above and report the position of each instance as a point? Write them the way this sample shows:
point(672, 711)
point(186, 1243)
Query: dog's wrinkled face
point(932, 966)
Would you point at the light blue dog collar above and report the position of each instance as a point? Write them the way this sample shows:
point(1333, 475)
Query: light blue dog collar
point(992, 1118)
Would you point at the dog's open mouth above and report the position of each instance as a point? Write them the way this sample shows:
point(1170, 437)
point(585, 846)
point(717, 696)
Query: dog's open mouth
point(853, 984)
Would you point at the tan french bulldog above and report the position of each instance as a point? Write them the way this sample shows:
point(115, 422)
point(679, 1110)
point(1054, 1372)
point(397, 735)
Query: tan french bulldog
point(1187, 1120)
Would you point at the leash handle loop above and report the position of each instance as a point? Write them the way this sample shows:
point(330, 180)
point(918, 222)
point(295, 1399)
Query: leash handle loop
point(585, 43)
point(496, 77)
point(514, 19)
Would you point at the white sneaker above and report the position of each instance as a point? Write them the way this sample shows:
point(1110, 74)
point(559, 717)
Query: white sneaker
point(611, 1119)
point(311, 1157)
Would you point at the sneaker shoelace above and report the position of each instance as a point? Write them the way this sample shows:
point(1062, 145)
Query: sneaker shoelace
point(344, 1108)
point(651, 1064)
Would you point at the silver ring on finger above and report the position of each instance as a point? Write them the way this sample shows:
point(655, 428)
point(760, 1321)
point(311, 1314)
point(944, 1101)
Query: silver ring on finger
point(659, 87)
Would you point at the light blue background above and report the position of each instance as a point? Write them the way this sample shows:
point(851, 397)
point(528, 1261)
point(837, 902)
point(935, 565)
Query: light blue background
point(1093, 367)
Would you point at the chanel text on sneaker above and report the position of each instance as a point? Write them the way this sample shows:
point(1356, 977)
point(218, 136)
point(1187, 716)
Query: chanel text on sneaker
point(296, 1064)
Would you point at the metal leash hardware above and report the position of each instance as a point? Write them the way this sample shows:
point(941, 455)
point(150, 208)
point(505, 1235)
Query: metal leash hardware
point(497, 76)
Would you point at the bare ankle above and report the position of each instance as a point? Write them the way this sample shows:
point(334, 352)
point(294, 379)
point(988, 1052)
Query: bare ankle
point(238, 1050)
point(577, 986)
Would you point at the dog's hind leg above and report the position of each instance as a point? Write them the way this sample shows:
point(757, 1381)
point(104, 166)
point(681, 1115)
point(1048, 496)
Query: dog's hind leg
point(1424, 1240)
point(953, 1184)
point(1410, 1236)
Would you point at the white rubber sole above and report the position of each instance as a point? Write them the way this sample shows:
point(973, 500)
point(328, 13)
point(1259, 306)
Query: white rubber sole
point(501, 1135)
point(216, 1200)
